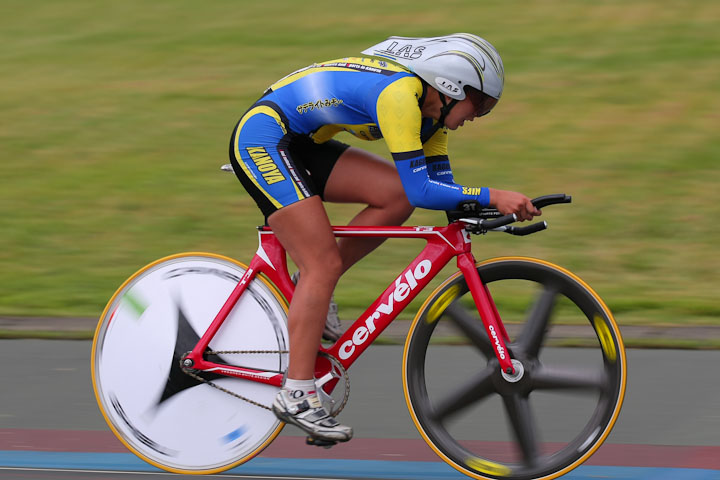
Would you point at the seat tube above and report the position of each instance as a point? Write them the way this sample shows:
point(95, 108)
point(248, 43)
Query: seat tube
point(487, 310)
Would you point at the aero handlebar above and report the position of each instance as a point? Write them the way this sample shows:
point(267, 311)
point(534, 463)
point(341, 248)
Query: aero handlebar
point(482, 220)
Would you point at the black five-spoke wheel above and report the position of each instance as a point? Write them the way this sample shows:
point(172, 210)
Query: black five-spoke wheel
point(558, 407)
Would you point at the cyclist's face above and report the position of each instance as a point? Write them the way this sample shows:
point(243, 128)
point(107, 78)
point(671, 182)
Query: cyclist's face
point(468, 109)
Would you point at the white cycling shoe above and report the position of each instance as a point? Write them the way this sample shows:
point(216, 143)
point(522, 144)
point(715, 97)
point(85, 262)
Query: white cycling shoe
point(310, 415)
point(333, 328)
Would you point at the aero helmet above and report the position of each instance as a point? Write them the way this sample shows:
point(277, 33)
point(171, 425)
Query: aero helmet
point(448, 63)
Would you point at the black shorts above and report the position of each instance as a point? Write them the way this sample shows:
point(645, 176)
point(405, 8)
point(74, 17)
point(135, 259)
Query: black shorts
point(277, 167)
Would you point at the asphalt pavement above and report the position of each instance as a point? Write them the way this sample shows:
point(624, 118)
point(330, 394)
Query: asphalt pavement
point(673, 396)
point(671, 416)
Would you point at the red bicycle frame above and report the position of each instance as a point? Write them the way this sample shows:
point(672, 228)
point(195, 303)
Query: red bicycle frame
point(443, 243)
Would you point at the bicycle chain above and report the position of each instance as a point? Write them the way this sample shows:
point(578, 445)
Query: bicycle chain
point(191, 373)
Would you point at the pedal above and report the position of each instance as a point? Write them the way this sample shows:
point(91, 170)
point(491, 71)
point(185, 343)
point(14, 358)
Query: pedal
point(319, 442)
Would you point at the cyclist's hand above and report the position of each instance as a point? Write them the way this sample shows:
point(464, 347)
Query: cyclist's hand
point(508, 202)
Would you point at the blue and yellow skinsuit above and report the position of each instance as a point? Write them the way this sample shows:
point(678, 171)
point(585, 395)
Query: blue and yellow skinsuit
point(366, 97)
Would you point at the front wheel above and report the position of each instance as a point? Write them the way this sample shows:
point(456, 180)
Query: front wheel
point(561, 404)
point(174, 421)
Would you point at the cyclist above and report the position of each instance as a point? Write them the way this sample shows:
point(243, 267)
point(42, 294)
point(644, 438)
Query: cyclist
point(409, 91)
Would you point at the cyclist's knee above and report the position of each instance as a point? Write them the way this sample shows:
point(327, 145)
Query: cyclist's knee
point(324, 269)
point(332, 265)
point(397, 204)
point(403, 205)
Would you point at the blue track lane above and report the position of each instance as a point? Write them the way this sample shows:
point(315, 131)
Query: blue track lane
point(127, 462)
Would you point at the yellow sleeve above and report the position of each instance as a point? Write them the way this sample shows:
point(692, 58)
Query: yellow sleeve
point(399, 116)
point(437, 145)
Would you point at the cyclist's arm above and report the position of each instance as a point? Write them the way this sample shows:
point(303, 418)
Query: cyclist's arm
point(438, 168)
point(399, 119)
point(425, 192)
point(436, 157)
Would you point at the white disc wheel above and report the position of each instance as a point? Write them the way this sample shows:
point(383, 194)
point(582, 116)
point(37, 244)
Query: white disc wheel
point(171, 420)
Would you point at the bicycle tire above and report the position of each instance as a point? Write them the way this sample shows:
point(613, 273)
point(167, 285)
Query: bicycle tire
point(161, 414)
point(524, 446)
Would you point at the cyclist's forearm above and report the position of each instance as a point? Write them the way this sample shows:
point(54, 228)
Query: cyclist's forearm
point(438, 168)
point(424, 192)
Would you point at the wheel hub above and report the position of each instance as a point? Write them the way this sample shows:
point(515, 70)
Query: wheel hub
point(519, 372)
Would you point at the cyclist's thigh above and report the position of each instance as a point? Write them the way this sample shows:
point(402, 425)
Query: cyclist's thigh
point(263, 164)
point(303, 228)
point(362, 177)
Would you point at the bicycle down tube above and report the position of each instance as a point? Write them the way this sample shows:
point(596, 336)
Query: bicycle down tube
point(443, 243)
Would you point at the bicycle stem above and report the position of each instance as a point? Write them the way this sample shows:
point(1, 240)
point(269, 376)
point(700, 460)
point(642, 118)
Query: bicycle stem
point(488, 312)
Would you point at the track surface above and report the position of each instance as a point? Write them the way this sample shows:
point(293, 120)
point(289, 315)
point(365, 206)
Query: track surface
point(669, 426)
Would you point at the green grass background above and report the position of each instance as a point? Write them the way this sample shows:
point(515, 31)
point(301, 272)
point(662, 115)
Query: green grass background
point(115, 116)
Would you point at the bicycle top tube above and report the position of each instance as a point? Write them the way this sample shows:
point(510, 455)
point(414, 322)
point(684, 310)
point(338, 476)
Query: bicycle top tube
point(448, 233)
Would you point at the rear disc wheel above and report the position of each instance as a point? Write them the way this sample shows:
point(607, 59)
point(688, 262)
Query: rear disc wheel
point(168, 418)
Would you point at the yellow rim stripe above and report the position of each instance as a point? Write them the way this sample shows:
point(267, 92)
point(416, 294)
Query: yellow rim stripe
point(442, 303)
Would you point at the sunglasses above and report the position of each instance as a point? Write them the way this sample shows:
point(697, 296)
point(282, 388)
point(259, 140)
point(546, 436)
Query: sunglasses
point(482, 103)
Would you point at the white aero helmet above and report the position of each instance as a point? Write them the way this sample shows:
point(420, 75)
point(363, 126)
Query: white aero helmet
point(448, 63)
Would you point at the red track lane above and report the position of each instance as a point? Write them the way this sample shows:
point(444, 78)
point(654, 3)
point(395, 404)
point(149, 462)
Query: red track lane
point(625, 455)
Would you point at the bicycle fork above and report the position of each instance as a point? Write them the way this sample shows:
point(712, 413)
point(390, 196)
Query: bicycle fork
point(488, 312)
